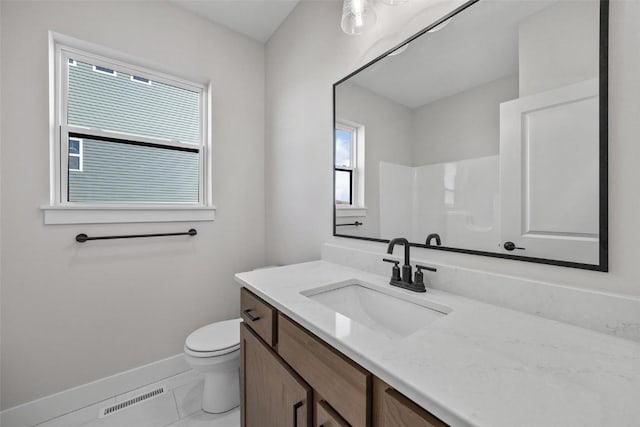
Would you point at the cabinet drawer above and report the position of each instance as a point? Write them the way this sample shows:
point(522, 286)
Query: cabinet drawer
point(259, 316)
point(342, 383)
point(398, 411)
point(326, 416)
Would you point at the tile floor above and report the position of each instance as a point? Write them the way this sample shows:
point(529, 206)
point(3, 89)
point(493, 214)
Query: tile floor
point(180, 406)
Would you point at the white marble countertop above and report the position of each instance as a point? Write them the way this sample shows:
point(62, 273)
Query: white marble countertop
point(480, 365)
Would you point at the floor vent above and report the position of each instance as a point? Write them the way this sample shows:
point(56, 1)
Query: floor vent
point(131, 402)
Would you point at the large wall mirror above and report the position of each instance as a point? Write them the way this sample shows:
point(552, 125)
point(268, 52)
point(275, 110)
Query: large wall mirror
point(485, 133)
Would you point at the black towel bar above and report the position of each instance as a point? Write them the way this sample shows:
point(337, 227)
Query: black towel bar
point(81, 238)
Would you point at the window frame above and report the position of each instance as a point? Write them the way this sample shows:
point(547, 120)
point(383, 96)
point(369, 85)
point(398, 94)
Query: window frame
point(62, 211)
point(351, 173)
point(357, 207)
point(353, 168)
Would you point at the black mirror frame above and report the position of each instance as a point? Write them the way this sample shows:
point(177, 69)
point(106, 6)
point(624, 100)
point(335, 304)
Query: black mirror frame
point(603, 264)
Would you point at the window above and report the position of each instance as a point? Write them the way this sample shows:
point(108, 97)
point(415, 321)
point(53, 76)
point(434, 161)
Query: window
point(140, 80)
point(345, 140)
point(127, 138)
point(103, 70)
point(75, 155)
point(349, 169)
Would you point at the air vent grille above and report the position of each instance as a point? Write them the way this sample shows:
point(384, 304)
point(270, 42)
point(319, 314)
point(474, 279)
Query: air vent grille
point(131, 402)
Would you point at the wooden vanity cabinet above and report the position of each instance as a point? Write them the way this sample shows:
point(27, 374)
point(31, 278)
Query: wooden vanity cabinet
point(392, 409)
point(326, 416)
point(343, 384)
point(290, 377)
point(272, 395)
point(259, 315)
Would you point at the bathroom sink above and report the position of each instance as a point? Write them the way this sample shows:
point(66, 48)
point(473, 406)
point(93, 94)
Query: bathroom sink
point(391, 315)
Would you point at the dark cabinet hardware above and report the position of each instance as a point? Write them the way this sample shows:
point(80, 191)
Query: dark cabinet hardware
point(511, 246)
point(295, 413)
point(81, 238)
point(251, 317)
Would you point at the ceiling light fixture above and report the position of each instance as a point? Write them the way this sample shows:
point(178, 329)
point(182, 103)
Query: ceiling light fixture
point(357, 16)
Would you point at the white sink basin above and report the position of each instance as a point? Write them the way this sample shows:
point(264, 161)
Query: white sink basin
point(392, 315)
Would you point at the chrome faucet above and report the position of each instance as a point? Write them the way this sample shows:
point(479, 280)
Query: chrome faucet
point(405, 281)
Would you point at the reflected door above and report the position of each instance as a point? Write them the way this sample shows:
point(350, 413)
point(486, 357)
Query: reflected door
point(549, 174)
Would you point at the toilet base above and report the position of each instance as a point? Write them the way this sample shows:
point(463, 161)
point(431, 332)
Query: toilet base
point(221, 392)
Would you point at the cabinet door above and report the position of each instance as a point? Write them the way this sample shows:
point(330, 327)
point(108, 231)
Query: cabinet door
point(272, 395)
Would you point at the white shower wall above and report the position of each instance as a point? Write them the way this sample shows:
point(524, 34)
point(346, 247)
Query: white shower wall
point(445, 198)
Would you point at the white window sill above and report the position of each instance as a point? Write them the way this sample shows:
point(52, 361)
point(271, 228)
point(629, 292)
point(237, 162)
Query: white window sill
point(124, 214)
point(350, 212)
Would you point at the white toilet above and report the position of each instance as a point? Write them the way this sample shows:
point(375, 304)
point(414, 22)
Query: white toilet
point(214, 350)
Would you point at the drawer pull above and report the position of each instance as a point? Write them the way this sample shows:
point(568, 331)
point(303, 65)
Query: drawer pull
point(251, 317)
point(295, 413)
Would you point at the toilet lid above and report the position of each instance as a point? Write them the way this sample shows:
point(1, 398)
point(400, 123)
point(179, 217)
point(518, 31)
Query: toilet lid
point(215, 337)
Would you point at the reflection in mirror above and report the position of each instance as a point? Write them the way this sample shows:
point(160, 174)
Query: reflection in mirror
point(483, 132)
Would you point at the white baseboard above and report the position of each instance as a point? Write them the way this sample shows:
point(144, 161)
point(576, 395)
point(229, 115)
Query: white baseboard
point(55, 405)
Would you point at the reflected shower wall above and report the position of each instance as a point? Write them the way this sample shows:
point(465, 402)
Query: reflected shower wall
point(445, 198)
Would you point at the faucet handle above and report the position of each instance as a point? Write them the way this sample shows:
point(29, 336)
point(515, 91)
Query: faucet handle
point(424, 267)
point(419, 277)
point(395, 271)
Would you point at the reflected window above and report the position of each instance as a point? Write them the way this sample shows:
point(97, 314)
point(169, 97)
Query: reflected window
point(345, 166)
point(344, 190)
point(344, 148)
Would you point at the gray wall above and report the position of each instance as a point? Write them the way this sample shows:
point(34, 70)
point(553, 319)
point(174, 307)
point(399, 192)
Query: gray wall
point(72, 314)
point(462, 126)
point(308, 53)
point(560, 35)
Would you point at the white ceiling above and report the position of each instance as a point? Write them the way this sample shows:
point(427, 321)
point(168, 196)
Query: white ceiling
point(258, 19)
point(478, 45)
